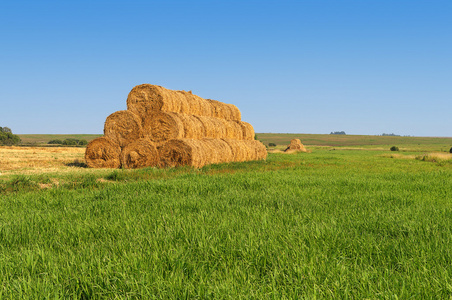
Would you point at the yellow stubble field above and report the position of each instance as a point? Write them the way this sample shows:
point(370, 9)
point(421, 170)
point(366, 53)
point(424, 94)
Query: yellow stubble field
point(35, 160)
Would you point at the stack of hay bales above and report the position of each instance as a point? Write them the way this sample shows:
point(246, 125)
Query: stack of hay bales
point(165, 128)
point(295, 146)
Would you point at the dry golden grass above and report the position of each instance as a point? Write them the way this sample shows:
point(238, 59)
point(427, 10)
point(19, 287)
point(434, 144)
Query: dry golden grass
point(435, 157)
point(432, 157)
point(399, 156)
point(35, 160)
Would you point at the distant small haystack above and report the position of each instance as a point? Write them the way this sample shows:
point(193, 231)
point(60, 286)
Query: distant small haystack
point(296, 145)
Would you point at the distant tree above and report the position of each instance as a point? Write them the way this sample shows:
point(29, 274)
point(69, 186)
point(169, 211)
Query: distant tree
point(394, 148)
point(55, 142)
point(7, 137)
point(70, 142)
point(338, 132)
point(5, 130)
point(390, 134)
point(271, 144)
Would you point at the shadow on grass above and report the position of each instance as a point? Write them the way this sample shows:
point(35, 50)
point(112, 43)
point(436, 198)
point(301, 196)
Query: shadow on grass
point(77, 163)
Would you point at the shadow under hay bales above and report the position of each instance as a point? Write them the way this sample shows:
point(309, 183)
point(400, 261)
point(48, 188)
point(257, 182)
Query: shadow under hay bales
point(77, 163)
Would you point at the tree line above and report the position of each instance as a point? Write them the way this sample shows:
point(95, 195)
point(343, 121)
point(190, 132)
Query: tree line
point(7, 137)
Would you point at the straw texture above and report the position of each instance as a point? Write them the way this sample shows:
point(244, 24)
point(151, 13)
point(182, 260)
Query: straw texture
point(102, 153)
point(139, 154)
point(123, 127)
point(169, 128)
point(145, 99)
point(296, 145)
point(163, 126)
point(247, 130)
point(198, 153)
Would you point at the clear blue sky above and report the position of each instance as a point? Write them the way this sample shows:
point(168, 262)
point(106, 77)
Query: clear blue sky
point(314, 66)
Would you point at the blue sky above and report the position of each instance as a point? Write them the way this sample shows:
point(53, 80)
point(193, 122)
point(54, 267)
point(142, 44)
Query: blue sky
point(363, 67)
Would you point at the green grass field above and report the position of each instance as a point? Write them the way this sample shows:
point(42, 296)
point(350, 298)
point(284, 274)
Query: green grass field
point(337, 223)
point(365, 141)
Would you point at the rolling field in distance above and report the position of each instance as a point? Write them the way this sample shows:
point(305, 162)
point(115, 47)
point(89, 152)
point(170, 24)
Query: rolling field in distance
point(442, 144)
point(351, 219)
point(283, 139)
point(43, 139)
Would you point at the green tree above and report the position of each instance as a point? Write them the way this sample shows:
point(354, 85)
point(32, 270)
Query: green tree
point(57, 142)
point(7, 137)
point(5, 130)
point(394, 148)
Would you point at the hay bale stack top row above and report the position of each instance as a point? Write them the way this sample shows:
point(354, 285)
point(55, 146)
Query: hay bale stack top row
point(145, 99)
point(164, 128)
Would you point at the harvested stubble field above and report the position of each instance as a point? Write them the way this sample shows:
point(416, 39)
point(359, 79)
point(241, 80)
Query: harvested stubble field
point(339, 222)
point(37, 160)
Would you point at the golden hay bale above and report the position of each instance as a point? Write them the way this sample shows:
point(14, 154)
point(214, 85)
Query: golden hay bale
point(195, 153)
point(145, 98)
point(225, 111)
point(213, 127)
point(198, 106)
point(233, 130)
point(247, 130)
point(123, 127)
point(193, 127)
point(139, 154)
point(183, 152)
point(219, 151)
point(296, 144)
point(162, 126)
point(198, 153)
point(258, 150)
point(102, 153)
point(246, 150)
point(240, 150)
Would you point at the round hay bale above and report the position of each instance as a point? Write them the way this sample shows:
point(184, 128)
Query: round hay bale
point(235, 114)
point(193, 127)
point(163, 126)
point(247, 130)
point(198, 153)
point(123, 127)
point(225, 111)
point(232, 129)
point(295, 144)
point(139, 154)
point(258, 150)
point(193, 106)
point(240, 150)
point(183, 152)
point(205, 108)
point(146, 98)
point(195, 153)
point(219, 151)
point(102, 153)
point(213, 127)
